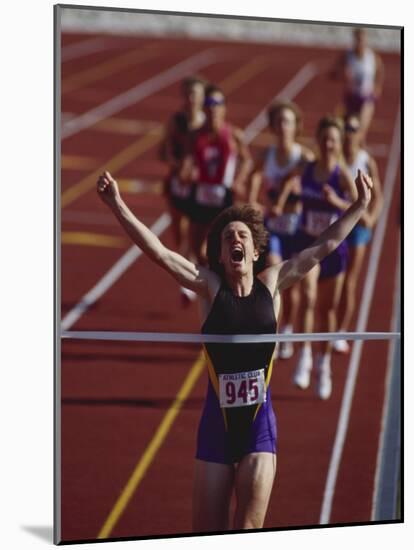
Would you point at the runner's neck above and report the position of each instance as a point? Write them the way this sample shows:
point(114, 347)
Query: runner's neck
point(240, 285)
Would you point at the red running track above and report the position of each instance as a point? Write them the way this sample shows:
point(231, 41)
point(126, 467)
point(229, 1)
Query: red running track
point(115, 395)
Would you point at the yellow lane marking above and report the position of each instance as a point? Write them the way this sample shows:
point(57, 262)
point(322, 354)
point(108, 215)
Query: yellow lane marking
point(107, 68)
point(244, 73)
point(92, 239)
point(126, 185)
point(77, 162)
point(153, 447)
point(117, 162)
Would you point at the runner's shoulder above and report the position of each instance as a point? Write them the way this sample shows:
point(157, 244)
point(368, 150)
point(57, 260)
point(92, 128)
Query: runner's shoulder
point(270, 276)
point(212, 280)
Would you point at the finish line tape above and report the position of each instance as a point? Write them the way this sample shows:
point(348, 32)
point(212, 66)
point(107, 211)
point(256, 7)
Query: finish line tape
point(225, 339)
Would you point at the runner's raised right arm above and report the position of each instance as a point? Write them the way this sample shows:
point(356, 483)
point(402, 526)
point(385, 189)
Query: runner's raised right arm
point(184, 271)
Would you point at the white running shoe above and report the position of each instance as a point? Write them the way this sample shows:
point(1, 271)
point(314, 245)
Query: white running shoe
point(301, 377)
point(324, 381)
point(286, 348)
point(341, 346)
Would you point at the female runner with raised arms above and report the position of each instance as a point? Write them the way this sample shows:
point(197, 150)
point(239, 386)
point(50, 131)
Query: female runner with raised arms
point(236, 443)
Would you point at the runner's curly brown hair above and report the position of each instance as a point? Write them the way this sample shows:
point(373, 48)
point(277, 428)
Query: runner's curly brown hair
point(254, 221)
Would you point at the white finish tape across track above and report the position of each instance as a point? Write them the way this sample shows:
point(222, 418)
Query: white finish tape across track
point(225, 339)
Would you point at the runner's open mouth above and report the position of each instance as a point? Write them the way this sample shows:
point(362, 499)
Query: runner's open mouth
point(237, 255)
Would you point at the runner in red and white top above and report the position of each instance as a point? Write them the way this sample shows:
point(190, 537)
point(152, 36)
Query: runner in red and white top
point(222, 162)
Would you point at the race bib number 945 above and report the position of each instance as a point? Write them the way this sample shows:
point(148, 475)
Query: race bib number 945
point(240, 389)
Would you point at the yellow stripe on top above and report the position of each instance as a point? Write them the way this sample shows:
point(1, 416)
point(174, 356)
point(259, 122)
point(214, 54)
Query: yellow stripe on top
point(214, 380)
point(267, 381)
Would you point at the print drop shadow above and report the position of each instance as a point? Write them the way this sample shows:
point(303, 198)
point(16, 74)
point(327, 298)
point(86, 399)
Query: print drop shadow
point(44, 532)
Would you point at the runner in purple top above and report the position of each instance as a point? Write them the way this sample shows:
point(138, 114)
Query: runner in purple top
point(327, 188)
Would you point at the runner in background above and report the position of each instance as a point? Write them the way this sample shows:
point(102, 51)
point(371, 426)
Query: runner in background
point(279, 162)
point(326, 191)
point(221, 163)
point(356, 159)
point(362, 72)
point(178, 141)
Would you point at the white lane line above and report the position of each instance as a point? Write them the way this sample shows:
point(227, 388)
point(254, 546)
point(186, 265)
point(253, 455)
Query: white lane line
point(83, 48)
point(139, 92)
point(384, 485)
point(111, 276)
point(389, 181)
point(292, 88)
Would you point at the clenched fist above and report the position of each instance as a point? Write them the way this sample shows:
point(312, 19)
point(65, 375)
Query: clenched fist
point(364, 185)
point(108, 189)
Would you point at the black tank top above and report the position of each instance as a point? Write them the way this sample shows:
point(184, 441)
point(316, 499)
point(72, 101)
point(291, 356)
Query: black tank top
point(180, 139)
point(230, 314)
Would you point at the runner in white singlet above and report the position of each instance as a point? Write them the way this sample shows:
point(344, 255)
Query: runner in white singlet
point(362, 71)
point(279, 163)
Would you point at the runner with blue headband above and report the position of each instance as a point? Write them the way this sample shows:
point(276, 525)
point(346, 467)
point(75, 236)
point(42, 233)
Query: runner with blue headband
point(221, 163)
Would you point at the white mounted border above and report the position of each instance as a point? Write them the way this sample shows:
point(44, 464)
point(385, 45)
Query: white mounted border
point(224, 28)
